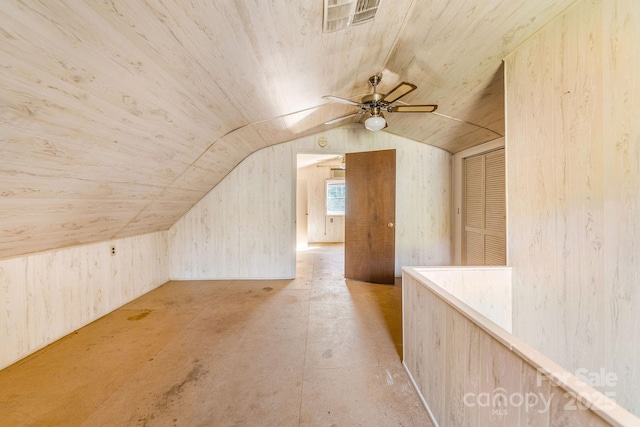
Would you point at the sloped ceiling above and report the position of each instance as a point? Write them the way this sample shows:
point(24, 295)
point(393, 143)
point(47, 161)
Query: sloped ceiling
point(117, 116)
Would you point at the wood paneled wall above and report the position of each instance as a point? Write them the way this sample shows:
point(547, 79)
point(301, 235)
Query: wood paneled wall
point(244, 227)
point(48, 295)
point(573, 191)
point(485, 289)
point(470, 372)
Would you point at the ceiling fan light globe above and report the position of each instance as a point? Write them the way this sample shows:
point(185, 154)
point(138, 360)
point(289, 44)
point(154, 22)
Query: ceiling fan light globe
point(374, 123)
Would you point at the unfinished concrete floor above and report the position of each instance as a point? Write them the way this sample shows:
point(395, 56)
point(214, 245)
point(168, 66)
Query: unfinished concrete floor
point(315, 351)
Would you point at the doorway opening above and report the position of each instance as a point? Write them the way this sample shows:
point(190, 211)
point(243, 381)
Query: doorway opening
point(320, 198)
point(360, 217)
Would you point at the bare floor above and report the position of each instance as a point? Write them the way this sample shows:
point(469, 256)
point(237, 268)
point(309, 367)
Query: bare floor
point(315, 351)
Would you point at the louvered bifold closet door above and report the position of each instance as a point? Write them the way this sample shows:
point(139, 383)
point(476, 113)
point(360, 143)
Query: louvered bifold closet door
point(495, 212)
point(484, 240)
point(473, 249)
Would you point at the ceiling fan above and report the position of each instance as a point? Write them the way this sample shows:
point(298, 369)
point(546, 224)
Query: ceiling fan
point(375, 103)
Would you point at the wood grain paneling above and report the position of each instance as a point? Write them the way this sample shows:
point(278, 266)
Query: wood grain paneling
point(470, 372)
point(48, 295)
point(107, 107)
point(621, 181)
point(242, 228)
point(485, 289)
point(573, 199)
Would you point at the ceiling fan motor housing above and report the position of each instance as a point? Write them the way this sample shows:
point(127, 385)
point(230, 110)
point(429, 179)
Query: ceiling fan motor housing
point(372, 102)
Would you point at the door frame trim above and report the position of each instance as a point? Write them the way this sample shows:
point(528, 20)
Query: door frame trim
point(458, 191)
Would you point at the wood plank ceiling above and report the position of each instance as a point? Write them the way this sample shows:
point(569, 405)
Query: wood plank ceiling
point(117, 116)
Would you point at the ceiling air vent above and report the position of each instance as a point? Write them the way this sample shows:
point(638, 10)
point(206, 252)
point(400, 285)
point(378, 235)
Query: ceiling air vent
point(340, 14)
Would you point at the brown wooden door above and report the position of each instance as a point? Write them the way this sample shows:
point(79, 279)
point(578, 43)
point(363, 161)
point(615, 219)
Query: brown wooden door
point(370, 216)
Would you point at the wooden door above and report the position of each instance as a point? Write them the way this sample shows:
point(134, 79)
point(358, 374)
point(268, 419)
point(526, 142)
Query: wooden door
point(370, 216)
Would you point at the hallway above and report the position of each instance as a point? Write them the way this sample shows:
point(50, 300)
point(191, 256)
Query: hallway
point(315, 351)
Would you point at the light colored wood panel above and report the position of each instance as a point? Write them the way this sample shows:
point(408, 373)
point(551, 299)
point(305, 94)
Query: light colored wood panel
point(170, 82)
point(466, 28)
point(48, 295)
point(506, 371)
point(457, 361)
point(163, 213)
point(498, 388)
point(422, 192)
point(472, 372)
point(432, 341)
point(562, 188)
point(571, 198)
point(440, 131)
point(409, 327)
point(621, 89)
point(62, 222)
point(68, 110)
point(220, 159)
point(13, 305)
point(50, 30)
point(22, 185)
point(531, 193)
point(42, 158)
point(579, 187)
point(566, 410)
point(507, 382)
point(241, 234)
point(536, 390)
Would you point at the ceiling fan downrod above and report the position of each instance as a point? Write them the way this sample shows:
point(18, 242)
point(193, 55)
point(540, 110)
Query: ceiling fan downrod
point(372, 102)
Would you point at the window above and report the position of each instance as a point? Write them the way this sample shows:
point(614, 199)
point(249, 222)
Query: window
point(335, 197)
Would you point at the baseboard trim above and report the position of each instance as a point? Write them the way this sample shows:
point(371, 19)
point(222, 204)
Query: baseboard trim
point(424, 402)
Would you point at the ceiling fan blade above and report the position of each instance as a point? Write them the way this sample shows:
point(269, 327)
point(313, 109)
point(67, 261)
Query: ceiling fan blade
point(336, 120)
point(414, 108)
point(398, 92)
point(341, 100)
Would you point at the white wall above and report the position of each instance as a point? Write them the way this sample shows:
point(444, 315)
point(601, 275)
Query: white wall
point(48, 295)
point(322, 228)
point(573, 191)
point(244, 227)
